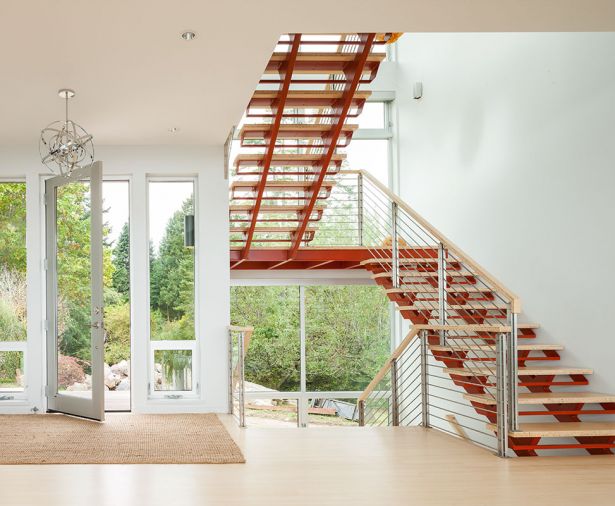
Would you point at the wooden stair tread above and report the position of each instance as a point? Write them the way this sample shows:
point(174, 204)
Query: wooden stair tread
point(272, 209)
point(417, 274)
point(487, 347)
point(293, 94)
point(331, 56)
point(270, 229)
point(387, 261)
point(548, 398)
point(469, 306)
point(561, 429)
point(523, 371)
point(288, 159)
point(430, 289)
point(279, 184)
point(294, 127)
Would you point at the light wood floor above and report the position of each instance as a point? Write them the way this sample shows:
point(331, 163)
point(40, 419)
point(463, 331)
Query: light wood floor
point(326, 466)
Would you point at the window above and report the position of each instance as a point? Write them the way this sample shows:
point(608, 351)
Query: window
point(373, 116)
point(172, 281)
point(13, 308)
point(116, 251)
point(370, 147)
point(273, 357)
point(347, 336)
point(317, 345)
point(370, 155)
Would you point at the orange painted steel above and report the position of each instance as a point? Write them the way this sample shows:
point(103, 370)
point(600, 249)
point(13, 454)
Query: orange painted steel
point(349, 90)
point(288, 72)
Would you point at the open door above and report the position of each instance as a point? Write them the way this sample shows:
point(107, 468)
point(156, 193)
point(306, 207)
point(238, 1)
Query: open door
point(74, 263)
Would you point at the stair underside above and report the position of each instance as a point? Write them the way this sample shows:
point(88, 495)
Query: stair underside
point(487, 347)
point(562, 429)
point(523, 371)
point(548, 398)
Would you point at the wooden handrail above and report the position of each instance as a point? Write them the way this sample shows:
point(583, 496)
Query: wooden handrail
point(414, 331)
point(385, 368)
point(515, 302)
point(237, 328)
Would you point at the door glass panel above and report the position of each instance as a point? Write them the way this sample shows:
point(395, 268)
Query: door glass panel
point(73, 298)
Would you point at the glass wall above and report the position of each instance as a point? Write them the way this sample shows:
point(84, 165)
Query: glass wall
point(347, 336)
point(320, 345)
point(273, 358)
point(371, 144)
point(13, 308)
point(172, 245)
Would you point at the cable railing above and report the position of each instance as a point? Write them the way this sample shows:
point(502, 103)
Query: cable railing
point(469, 314)
point(239, 339)
point(466, 315)
point(413, 388)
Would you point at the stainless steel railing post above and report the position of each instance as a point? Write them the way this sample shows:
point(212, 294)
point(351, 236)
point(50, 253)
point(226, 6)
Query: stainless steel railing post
point(360, 207)
point(513, 371)
point(424, 380)
point(501, 393)
point(394, 395)
point(394, 245)
point(230, 372)
point(242, 400)
point(442, 312)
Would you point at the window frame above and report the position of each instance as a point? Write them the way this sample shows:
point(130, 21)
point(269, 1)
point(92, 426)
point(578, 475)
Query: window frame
point(386, 133)
point(19, 396)
point(303, 395)
point(194, 345)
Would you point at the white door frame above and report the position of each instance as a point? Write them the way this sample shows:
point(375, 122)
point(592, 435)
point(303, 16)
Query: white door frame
point(87, 407)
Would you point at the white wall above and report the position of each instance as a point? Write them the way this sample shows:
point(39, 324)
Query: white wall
point(511, 154)
point(212, 263)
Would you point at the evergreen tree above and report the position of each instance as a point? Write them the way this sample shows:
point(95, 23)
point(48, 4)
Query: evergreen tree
point(121, 263)
point(172, 272)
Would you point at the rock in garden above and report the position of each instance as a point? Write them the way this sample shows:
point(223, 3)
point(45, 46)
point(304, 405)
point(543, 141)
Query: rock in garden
point(121, 368)
point(111, 380)
point(123, 385)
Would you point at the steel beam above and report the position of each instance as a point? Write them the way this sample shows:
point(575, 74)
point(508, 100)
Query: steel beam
point(273, 135)
point(356, 71)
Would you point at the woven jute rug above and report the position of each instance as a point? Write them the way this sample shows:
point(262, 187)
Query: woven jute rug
point(121, 439)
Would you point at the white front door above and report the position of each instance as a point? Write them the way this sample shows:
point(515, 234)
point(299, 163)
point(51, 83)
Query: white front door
point(74, 263)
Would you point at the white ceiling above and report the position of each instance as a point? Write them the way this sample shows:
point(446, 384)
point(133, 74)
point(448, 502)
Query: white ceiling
point(135, 78)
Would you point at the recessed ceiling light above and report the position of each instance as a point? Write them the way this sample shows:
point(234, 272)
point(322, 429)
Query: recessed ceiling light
point(188, 35)
point(173, 130)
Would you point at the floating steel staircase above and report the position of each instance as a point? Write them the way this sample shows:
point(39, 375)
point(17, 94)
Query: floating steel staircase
point(469, 365)
point(467, 339)
point(297, 119)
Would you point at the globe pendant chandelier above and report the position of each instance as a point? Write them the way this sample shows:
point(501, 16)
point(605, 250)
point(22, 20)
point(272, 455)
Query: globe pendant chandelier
point(64, 145)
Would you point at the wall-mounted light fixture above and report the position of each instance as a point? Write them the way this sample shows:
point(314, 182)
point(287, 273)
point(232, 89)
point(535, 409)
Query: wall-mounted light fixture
point(189, 230)
point(417, 90)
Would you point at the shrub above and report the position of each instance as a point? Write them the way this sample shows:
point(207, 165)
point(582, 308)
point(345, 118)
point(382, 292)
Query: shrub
point(116, 352)
point(70, 371)
point(10, 363)
point(174, 330)
point(11, 327)
point(117, 324)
